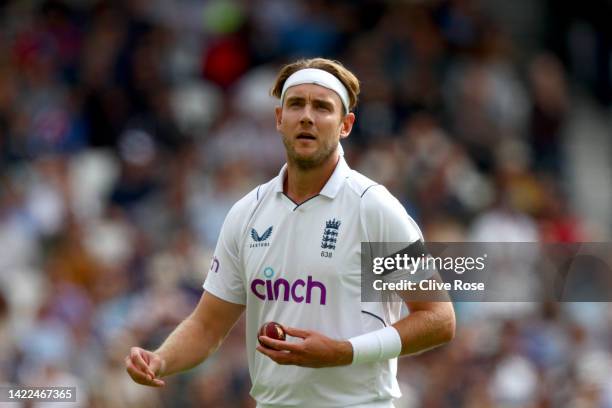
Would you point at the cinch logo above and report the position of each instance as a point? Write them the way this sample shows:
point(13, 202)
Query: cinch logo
point(259, 239)
point(283, 290)
point(214, 266)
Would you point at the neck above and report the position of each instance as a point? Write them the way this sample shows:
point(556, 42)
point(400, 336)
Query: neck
point(303, 184)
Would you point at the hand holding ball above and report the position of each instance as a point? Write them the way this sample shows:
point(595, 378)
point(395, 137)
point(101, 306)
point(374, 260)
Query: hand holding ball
point(272, 330)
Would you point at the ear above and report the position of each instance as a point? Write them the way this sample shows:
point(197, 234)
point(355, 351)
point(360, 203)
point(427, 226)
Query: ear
point(347, 125)
point(278, 113)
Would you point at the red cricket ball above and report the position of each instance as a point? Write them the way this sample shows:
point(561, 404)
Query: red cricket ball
point(273, 330)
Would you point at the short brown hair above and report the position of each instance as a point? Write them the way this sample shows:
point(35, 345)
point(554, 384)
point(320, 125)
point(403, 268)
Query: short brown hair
point(348, 79)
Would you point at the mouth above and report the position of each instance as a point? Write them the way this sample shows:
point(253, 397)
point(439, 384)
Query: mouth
point(306, 136)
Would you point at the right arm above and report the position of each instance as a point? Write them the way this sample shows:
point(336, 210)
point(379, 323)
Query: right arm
point(222, 303)
point(193, 340)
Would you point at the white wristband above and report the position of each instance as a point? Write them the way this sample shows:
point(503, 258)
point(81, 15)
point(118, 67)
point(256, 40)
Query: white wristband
point(379, 345)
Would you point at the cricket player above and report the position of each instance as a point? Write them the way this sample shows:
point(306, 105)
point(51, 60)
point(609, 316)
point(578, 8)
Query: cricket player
point(290, 251)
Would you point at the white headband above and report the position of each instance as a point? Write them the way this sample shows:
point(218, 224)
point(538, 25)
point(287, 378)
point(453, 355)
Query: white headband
point(318, 77)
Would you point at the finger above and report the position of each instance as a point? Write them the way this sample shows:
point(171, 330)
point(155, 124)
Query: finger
point(155, 365)
point(133, 369)
point(158, 383)
point(279, 344)
point(144, 379)
point(294, 332)
point(139, 361)
point(265, 351)
point(136, 374)
point(278, 356)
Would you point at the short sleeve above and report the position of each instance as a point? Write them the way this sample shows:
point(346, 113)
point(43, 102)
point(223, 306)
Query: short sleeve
point(388, 226)
point(385, 219)
point(225, 277)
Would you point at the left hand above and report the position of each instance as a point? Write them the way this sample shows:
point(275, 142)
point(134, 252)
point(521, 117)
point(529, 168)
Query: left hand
point(316, 350)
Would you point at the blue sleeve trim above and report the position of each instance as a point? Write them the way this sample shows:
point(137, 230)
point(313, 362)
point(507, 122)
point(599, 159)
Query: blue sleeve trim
point(366, 190)
point(376, 317)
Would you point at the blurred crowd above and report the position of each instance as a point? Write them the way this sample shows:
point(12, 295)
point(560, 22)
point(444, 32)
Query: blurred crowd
point(129, 128)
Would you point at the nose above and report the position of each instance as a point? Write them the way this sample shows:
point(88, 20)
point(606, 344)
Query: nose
point(306, 118)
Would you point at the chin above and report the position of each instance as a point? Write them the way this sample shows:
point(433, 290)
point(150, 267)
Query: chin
point(306, 164)
point(305, 153)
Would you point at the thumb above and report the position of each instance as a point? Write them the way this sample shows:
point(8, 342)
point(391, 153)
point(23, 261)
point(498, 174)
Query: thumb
point(157, 366)
point(294, 332)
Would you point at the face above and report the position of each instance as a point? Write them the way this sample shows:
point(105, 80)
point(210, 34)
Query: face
point(312, 122)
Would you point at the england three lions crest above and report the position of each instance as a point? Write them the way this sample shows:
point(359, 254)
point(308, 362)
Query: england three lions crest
point(330, 234)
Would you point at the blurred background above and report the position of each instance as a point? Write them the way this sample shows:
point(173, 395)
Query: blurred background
point(129, 128)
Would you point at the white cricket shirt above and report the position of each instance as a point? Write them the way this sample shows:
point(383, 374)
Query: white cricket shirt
point(299, 265)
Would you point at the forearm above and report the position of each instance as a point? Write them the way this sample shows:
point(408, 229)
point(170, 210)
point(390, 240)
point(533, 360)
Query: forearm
point(425, 329)
point(187, 346)
point(197, 337)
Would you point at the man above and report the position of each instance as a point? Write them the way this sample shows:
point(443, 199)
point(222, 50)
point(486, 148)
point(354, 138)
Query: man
point(289, 251)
